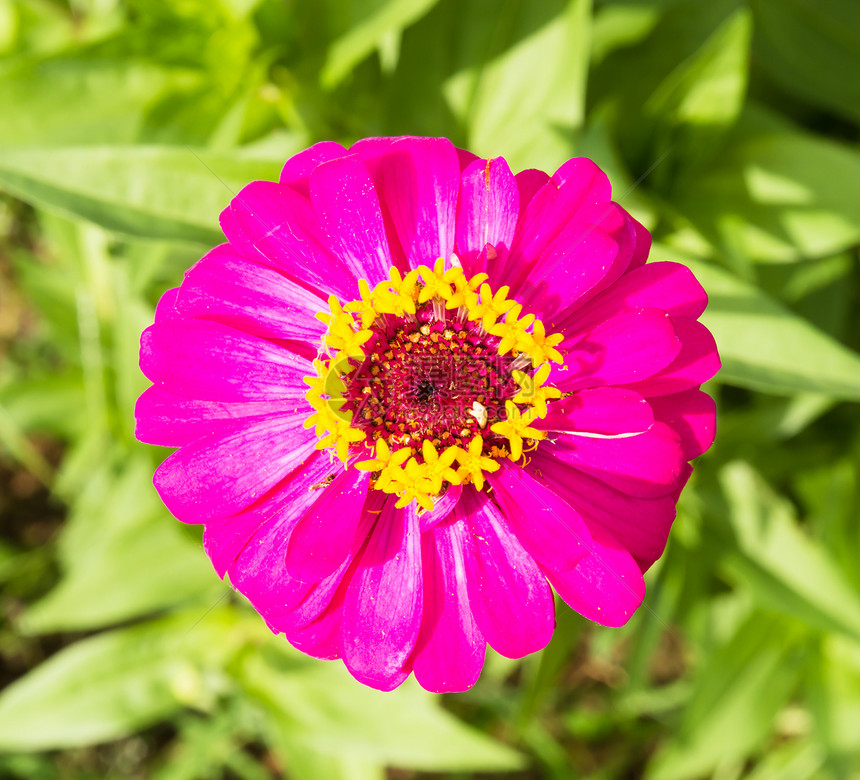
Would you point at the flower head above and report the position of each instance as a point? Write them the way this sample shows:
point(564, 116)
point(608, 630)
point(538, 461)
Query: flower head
point(413, 391)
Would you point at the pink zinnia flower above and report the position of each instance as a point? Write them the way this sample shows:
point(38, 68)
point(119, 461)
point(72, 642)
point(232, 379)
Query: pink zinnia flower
point(413, 391)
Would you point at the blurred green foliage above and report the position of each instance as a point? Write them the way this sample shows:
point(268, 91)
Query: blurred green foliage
point(729, 127)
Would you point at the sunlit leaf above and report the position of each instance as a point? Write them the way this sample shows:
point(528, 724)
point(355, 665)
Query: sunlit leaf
point(137, 563)
point(153, 192)
point(112, 684)
point(739, 691)
point(785, 569)
point(328, 711)
point(368, 24)
point(525, 99)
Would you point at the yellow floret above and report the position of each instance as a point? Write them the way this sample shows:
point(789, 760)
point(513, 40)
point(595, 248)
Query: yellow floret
point(436, 285)
point(473, 463)
point(516, 429)
point(532, 390)
point(542, 347)
point(513, 331)
point(490, 306)
point(464, 289)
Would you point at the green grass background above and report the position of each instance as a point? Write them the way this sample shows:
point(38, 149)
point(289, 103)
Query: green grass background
point(729, 127)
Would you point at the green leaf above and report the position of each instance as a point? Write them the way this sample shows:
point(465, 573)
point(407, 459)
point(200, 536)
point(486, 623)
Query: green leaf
point(739, 690)
point(708, 89)
point(785, 570)
point(153, 192)
point(123, 556)
point(835, 701)
point(325, 709)
point(374, 21)
point(808, 47)
point(527, 95)
point(776, 195)
point(116, 683)
point(763, 345)
point(62, 101)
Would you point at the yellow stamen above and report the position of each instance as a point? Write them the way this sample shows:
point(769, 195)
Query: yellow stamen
point(542, 347)
point(464, 289)
point(532, 390)
point(435, 283)
point(513, 331)
point(473, 463)
point(490, 306)
point(516, 428)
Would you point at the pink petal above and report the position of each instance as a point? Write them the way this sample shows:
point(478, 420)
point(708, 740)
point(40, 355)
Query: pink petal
point(577, 184)
point(632, 345)
point(249, 297)
point(642, 246)
point(322, 593)
point(696, 363)
point(165, 310)
point(444, 505)
point(663, 285)
point(321, 638)
point(450, 651)
point(419, 183)
point(645, 464)
point(529, 182)
point(211, 361)
point(466, 158)
point(173, 420)
point(606, 587)
point(219, 476)
point(259, 572)
point(298, 168)
point(548, 527)
point(383, 607)
point(272, 224)
point(573, 265)
point(256, 533)
point(607, 410)
point(642, 524)
point(346, 202)
point(373, 152)
point(692, 414)
point(508, 592)
point(588, 256)
point(486, 215)
point(323, 537)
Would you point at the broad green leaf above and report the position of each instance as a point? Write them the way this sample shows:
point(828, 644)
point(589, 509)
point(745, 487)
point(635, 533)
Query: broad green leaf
point(672, 95)
point(113, 684)
point(809, 47)
point(617, 26)
point(325, 709)
point(828, 493)
point(307, 763)
point(799, 759)
point(527, 95)
point(371, 23)
point(63, 101)
point(784, 569)
point(122, 556)
point(765, 346)
point(153, 192)
point(739, 690)
point(835, 701)
point(776, 195)
point(708, 89)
